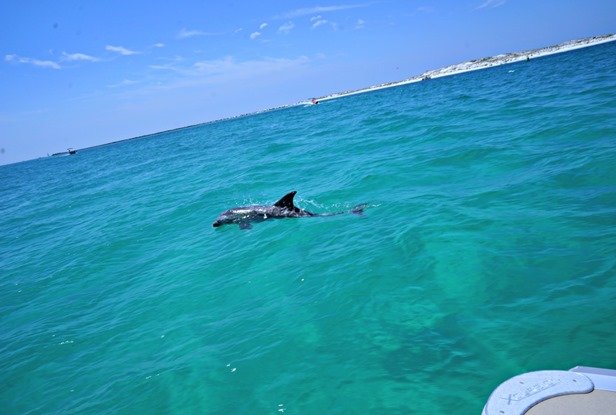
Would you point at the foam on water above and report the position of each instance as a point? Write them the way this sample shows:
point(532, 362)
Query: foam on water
point(488, 249)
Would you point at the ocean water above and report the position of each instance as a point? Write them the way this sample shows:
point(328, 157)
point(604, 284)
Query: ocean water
point(488, 249)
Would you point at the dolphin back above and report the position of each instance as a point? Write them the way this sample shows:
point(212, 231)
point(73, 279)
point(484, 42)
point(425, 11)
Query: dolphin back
point(286, 201)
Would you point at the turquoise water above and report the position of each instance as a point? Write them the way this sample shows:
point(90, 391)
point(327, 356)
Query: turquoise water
point(488, 249)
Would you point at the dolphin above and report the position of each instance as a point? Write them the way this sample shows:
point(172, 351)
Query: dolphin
point(284, 208)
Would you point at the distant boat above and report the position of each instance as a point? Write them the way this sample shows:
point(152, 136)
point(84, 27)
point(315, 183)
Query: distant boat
point(68, 152)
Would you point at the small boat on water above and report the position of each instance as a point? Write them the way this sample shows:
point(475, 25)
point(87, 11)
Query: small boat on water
point(579, 391)
point(68, 152)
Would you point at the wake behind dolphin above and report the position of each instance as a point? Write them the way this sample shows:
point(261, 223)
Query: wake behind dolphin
point(244, 216)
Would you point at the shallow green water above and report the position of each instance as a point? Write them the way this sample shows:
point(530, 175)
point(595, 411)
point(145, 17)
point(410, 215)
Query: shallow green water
point(488, 249)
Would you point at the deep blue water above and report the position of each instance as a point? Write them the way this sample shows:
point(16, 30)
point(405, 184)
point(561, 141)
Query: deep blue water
point(488, 249)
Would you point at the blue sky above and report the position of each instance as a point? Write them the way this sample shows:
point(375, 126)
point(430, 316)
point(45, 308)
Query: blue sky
point(82, 73)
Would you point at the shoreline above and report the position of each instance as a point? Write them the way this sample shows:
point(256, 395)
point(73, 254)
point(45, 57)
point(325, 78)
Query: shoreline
point(455, 69)
point(483, 63)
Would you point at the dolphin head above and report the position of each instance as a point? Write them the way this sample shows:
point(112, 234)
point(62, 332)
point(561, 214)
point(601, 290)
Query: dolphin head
point(232, 216)
point(220, 220)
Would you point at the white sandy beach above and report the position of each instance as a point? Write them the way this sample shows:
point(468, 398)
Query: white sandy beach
point(437, 73)
point(484, 63)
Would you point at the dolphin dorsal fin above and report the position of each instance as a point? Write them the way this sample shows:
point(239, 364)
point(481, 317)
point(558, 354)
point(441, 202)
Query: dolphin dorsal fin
point(286, 201)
